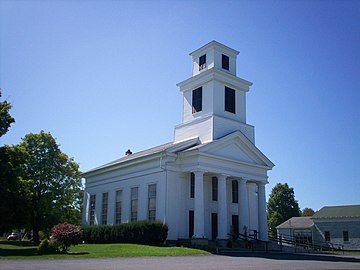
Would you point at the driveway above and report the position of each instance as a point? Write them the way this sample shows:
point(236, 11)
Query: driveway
point(257, 261)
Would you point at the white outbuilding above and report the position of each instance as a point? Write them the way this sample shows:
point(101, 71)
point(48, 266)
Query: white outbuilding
point(211, 177)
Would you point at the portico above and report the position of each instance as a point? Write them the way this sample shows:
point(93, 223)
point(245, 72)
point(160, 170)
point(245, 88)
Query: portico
point(224, 206)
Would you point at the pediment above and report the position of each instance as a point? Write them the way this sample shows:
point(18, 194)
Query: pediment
point(234, 147)
point(235, 151)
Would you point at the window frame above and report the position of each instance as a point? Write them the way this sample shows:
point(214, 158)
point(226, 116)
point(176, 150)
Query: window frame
point(225, 62)
point(134, 212)
point(118, 206)
point(202, 62)
point(196, 100)
point(92, 209)
point(152, 210)
point(104, 207)
point(230, 100)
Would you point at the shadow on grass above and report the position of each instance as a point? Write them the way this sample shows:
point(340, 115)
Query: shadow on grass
point(77, 253)
point(300, 257)
point(18, 252)
point(26, 248)
point(18, 243)
point(33, 252)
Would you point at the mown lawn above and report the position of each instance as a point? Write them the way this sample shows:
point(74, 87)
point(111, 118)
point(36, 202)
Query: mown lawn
point(26, 250)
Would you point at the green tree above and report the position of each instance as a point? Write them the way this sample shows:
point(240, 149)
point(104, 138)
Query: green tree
point(55, 183)
point(14, 189)
point(5, 118)
point(307, 212)
point(281, 206)
point(14, 192)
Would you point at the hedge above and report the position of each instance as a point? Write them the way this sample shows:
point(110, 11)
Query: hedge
point(138, 232)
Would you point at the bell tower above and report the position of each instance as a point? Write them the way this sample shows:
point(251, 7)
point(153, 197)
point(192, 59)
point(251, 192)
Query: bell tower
point(214, 98)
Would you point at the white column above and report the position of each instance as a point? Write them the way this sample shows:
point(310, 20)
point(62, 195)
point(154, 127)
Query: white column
point(243, 207)
point(98, 208)
point(85, 213)
point(253, 207)
point(223, 216)
point(263, 226)
point(199, 212)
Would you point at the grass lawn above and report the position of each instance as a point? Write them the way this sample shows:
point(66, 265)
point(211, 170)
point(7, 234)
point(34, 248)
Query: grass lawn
point(26, 250)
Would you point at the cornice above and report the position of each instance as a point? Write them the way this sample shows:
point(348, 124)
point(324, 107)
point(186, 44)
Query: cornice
point(121, 165)
point(217, 75)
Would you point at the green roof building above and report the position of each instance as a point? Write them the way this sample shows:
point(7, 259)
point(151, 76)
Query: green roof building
point(338, 225)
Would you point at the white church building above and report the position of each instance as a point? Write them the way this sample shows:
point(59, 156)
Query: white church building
point(209, 178)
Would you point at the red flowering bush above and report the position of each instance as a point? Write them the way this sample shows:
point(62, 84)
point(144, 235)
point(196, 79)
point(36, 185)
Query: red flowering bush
point(66, 235)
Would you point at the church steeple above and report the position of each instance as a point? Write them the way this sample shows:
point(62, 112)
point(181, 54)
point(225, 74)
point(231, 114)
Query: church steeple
point(214, 98)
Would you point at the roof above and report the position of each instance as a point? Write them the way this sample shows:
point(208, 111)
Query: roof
point(147, 152)
point(215, 43)
point(342, 211)
point(190, 144)
point(174, 147)
point(296, 223)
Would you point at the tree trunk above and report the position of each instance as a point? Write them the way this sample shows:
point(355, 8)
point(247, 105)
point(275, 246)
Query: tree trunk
point(35, 237)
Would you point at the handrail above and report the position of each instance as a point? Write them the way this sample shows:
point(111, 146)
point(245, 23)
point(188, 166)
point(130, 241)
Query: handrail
point(255, 239)
point(306, 245)
point(322, 243)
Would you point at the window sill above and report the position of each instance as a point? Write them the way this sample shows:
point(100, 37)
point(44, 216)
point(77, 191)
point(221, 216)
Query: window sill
point(197, 113)
point(231, 113)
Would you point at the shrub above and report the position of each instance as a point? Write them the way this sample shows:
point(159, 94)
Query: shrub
point(48, 247)
point(43, 235)
point(138, 232)
point(65, 235)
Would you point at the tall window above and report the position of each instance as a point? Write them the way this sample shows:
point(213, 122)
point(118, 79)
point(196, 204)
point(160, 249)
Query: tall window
point(202, 62)
point(92, 209)
point(104, 209)
point(225, 61)
point(191, 223)
point(152, 202)
point(192, 185)
point(235, 224)
point(214, 189)
point(327, 235)
point(197, 100)
point(118, 199)
point(134, 203)
point(229, 100)
point(345, 236)
point(235, 191)
point(214, 226)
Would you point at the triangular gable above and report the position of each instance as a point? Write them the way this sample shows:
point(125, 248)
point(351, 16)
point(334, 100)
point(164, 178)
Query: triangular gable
point(234, 151)
point(236, 146)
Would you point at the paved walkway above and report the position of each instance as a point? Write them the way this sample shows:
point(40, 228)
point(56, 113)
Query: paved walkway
point(260, 261)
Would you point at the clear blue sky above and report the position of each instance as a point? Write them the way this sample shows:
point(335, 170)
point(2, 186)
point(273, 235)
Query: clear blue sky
point(100, 76)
